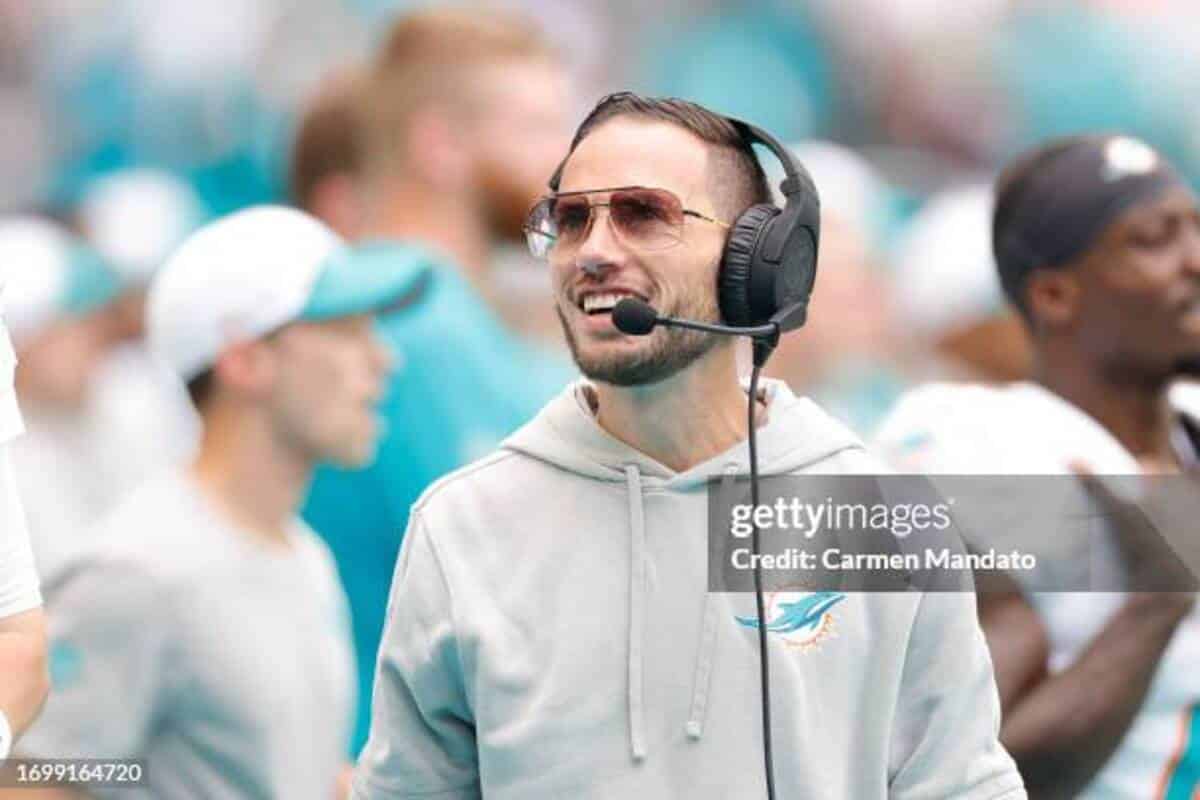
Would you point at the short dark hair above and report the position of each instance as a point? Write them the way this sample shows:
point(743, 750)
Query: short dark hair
point(200, 389)
point(328, 140)
point(1011, 186)
point(736, 178)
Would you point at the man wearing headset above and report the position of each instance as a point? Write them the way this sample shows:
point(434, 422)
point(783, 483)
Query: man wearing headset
point(23, 678)
point(550, 632)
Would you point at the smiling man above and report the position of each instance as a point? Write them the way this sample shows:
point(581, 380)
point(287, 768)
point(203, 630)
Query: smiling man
point(551, 633)
point(1097, 243)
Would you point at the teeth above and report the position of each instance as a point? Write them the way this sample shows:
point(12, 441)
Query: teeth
point(602, 301)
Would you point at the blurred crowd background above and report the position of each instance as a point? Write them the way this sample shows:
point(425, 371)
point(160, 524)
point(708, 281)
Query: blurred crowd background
point(129, 123)
point(902, 110)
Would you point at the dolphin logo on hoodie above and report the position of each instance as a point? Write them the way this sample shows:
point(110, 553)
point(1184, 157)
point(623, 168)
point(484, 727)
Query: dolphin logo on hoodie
point(805, 615)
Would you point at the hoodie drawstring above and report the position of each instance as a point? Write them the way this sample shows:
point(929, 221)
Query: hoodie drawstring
point(706, 651)
point(637, 610)
point(704, 664)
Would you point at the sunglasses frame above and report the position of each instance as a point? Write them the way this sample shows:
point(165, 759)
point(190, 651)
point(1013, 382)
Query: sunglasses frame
point(530, 230)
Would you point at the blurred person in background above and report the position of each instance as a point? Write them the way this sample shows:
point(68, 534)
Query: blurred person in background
point(325, 168)
point(134, 218)
point(950, 307)
point(59, 296)
point(1097, 244)
point(847, 359)
point(768, 61)
point(207, 632)
point(23, 677)
point(464, 114)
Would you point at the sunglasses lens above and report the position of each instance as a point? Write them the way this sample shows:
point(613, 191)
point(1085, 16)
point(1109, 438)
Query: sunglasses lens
point(648, 218)
point(569, 217)
point(645, 218)
point(540, 233)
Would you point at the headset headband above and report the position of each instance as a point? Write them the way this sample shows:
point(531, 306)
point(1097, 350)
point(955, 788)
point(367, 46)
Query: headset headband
point(792, 182)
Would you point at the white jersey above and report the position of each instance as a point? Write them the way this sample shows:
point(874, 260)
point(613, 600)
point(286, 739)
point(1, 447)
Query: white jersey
point(18, 580)
point(1024, 429)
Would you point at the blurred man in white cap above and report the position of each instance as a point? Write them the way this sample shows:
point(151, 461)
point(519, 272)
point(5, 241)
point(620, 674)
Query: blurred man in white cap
point(58, 298)
point(22, 623)
point(134, 219)
point(207, 632)
point(948, 297)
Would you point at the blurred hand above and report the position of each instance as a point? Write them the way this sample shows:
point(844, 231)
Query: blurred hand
point(1156, 534)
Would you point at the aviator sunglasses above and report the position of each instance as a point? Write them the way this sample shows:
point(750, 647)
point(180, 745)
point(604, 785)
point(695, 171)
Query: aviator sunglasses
point(643, 217)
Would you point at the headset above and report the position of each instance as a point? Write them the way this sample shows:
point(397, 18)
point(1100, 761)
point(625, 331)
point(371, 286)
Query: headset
point(770, 260)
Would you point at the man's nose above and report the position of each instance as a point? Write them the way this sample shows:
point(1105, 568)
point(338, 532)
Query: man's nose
point(599, 251)
point(381, 359)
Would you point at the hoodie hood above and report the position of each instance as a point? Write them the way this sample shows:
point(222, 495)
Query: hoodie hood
point(797, 435)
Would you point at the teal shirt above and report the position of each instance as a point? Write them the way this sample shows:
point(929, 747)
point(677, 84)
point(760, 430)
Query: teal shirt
point(461, 383)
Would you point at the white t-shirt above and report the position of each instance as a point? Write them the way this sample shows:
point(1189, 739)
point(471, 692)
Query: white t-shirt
point(224, 661)
point(1024, 429)
point(74, 469)
point(18, 579)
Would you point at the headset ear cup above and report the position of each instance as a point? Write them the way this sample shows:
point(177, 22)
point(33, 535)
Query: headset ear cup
point(737, 265)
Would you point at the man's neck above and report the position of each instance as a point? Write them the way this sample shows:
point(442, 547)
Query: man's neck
point(682, 421)
point(447, 223)
point(252, 479)
point(1136, 412)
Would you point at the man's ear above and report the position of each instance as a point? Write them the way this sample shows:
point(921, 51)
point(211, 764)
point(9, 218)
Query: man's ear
point(246, 368)
point(1053, 297)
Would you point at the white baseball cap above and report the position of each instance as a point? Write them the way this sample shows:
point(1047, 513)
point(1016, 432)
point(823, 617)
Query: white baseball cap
point(135, 218)
point(249, 273)
point(945, 274)
point(47, 274)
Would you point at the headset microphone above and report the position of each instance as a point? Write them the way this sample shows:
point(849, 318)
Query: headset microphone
point(636, 318)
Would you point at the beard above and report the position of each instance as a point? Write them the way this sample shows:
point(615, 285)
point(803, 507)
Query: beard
point(667, 351)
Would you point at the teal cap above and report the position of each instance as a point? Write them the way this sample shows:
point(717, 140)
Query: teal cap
point(377, 277)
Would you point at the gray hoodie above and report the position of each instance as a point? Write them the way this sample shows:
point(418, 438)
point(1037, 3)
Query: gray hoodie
point(550, 635)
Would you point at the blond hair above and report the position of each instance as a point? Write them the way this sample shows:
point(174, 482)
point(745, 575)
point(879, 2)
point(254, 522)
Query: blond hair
point(433, 57)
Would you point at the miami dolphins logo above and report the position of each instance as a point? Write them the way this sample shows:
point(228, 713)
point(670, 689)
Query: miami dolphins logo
point(801, 620)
